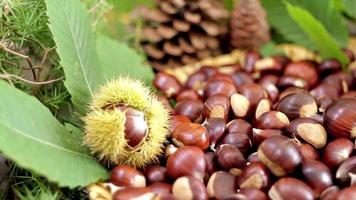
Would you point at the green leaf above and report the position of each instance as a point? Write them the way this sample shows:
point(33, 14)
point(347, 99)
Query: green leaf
point(118, 59)
point(350, 8)
point(327, 47)
point(34, 139)
point(70, 25)
point(326, 11)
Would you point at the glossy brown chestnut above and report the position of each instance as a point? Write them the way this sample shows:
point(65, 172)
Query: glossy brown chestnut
point(221, 77)
point(287, 188)
point(241, 141)
point(127, 177)
point(191, 134)
point(280, 154)
point(170, 149)
point(240, 78)
point(253, 157)
point(255, 175)
point(134, 193)
point(269, 79)
point(308, 152)
point(296, 105)
point(215, 87)
point(347, 171)
point(189, 188)
point(167, 84)
point(253, 92)
point(272, 120)
point(211, 165)
point(229, 157)
point(208, 71)
point(340, 118)
point(187, 161)
point(309, 130)
point(263, 106)
point(317, 175)
point(216, 106)
point(177, 120)
point(272, 91)
point(303, 69)
point(216, 128)
point(220, 185)
point(323, 102)
point(292, 81)
point(239, 126)
point(252, 193)
point(329, 66)
point(240, 105)
point(196, 81)
point(291, 90)
point(330, 193)
point(259, 135)
point(347, 193)
point(155, 174)
point(190, 108)
point(336, 152)
point(188, 94)
point(136, 127)
point(340, 79)
point(269, 65)
point(250, 60)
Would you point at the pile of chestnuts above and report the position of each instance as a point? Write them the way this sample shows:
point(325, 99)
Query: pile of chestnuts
point(269, 128)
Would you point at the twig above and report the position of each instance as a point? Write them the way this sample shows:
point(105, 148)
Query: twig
point(2, 46)
point(9, 77)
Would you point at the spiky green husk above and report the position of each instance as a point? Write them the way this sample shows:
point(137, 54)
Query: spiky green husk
point(105, 128)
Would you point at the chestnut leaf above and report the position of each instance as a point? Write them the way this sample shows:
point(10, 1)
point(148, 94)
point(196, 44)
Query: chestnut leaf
point(33, 138)
point(315, 30)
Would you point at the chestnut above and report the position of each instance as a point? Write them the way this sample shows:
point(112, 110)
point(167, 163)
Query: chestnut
point(229, 157)
point(296, 105)
point(291, 90)
point(250, 60)
point(196, 81)
point(190, 108)
point(177, 120)
point(262, 107)
point(240, 78)
point(349, 54)
point(134, 193)
point(326, 90)
point(188, 94)
point(215, 87)
point(253, 92)
point(240, 105)
point(255, 175)
point(216, 106)
point(239, 126)
point(340, 118)
point(216, 128)
point(222, 77)
point(191, 134)
point(209, 71)
point(167, 84)
point(309, 130)
point(307, 151)
point(329, 66)
point(269, 65)
point(253, 157)
point(211, 165)
point(280, 154)
point(347, 171)
point(330, 193)
point(323, 102)
point(241, 141)
point(259, 135)
point(272, 120)
point(336, 152)
point(317, 175)
point(160, 188)
point(126, 176)
point(186, 161)
point(347, 193)
point(272, 91)
point(170, 149)
point(189, 188)
point(269, 79)
point(252, 193)
point(220, 185)
point(292, 81)
point(155, 174)
point(287, 188)
point(303, 69)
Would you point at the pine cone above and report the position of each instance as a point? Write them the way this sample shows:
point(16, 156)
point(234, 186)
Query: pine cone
point(179, 32)
point(249, 26)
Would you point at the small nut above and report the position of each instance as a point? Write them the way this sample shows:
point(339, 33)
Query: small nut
point(229, 157)
point(296, 105)
point(216, 106)
point(330, 193)
point(189, 188)
point(188, 94)
point(134, 193)
point(279, 154)
point(214, 87)
point(262, 107)
point(272, 120)
point(155, 174)
point(346, 193)
point(241, 141)
point(127, 177)
point(167, 84)
point(240, 105)
point(259, 135)
point(337, 151)
point(216, 128)
point(292, 81)
point(255, 175)
point(191, 134)
point(190, 108)
point(309, 130)
point(221, 184)
point(285, 188)
point(308, 152)
point(253, 92)
point(303, 69)
point(347, 171)
point(252, 193)
point(239, 126)
point(240, 78)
